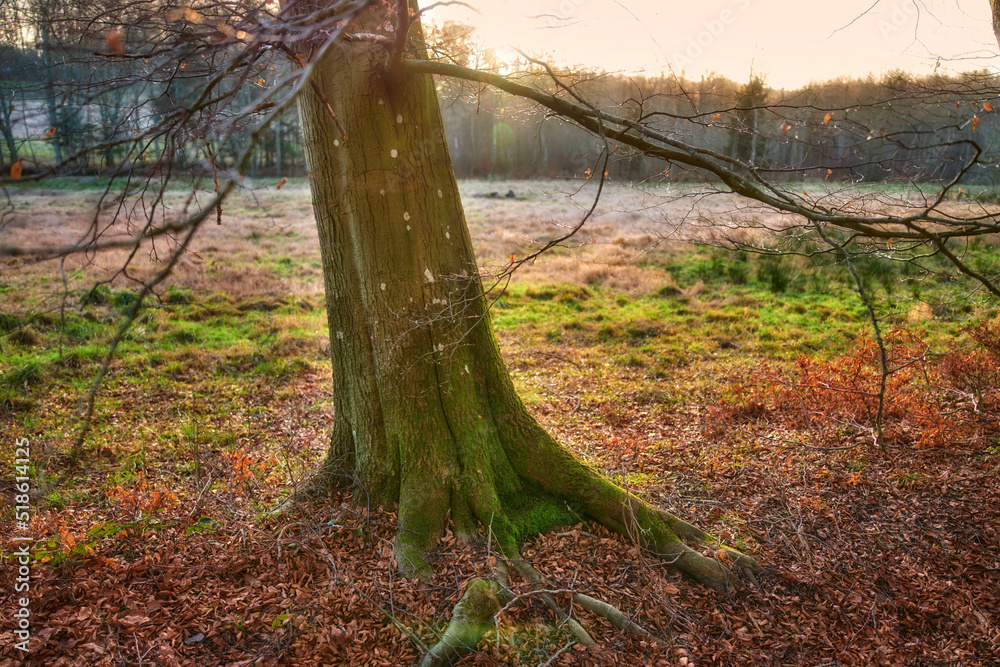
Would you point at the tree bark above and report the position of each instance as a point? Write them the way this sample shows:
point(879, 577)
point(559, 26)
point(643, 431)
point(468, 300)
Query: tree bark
point(995, 8)
point(7, 124)
point(426, 415)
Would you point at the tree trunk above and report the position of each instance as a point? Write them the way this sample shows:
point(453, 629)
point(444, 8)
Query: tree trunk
point(426, 415)
point(7, 124)
point(995, 10)
point(50, 95)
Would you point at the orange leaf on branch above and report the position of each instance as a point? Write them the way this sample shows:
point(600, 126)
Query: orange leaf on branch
point(115, 42)
point(15, 170)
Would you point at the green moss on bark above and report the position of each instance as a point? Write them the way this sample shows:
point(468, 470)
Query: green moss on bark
point(535, 512)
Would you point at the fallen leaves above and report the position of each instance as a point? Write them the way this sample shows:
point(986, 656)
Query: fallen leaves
point(870, 560)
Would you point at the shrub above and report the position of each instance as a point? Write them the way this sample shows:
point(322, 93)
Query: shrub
point(96, 296)
point(976, 370)
point(930, 400)
point(775, 273)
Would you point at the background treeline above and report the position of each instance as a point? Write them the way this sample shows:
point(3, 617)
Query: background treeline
point(82, 109)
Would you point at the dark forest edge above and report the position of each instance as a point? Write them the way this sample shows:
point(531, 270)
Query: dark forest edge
point(897, 128)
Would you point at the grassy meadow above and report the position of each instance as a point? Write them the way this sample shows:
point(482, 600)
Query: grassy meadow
point(667, 361)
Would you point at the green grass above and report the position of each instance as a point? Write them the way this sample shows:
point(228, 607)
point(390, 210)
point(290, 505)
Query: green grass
point(639, 330)
point(733, 308)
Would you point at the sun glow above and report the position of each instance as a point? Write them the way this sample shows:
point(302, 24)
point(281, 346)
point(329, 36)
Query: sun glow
point(789, 42)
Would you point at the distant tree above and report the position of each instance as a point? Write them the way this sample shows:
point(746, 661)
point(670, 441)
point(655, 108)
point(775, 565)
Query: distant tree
point(752, 101)
point(10, 58)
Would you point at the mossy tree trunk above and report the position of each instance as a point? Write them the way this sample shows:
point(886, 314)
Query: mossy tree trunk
point(427, 418)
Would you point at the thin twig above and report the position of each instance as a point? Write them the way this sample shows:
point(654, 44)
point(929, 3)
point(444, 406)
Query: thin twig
point(882, 356)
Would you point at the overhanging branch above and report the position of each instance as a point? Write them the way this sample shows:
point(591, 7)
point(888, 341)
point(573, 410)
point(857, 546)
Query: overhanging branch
point(741, 178)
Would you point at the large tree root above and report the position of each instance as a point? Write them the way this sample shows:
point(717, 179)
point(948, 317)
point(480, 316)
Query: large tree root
point(532, 576)
point(580, 495)
point(540, 462)
point(659, 532)
point(477, 610)
point(562, 492)
point(471, 618)
point(593, 605)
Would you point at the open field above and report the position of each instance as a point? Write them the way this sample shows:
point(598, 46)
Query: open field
point(696, 376)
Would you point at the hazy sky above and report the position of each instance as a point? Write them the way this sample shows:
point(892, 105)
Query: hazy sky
point(789, 41)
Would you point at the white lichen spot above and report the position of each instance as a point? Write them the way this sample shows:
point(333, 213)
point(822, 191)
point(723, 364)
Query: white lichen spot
point(429, 275)
point(406, 215)
point(399, 118)
point(340, 335)
point(407, 228)
point(336, 142)
point(394, 153)
point(440, 347)
point(447, 235)
point(440, 194)
point(382, 286)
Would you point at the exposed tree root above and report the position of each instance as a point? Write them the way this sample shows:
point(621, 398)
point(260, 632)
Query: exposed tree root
point(475, 614)
point(612, 614)
point(655, 530)
point(558, 473)
point(532, 576)
point(509, 520)
point(596, 498)
point(471, 618)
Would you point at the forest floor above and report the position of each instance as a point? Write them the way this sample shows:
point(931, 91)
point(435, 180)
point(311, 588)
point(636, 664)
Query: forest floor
point(733, 390)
